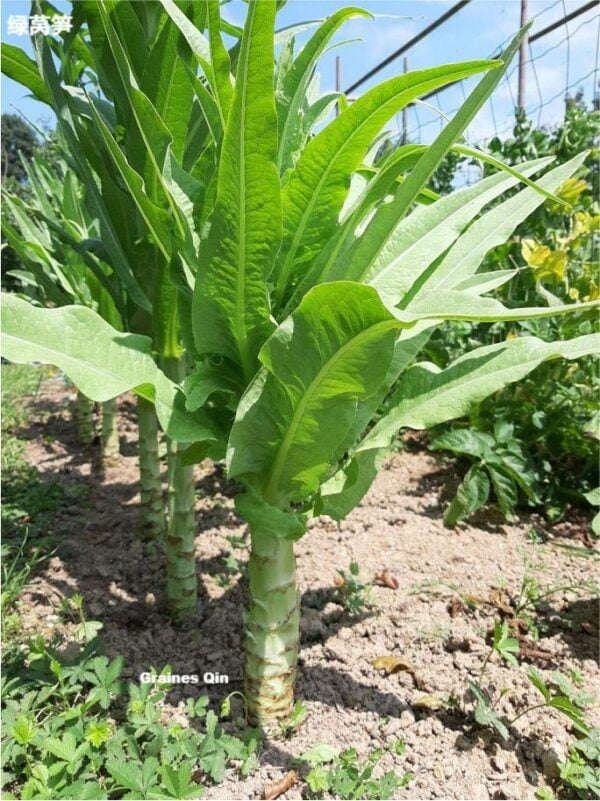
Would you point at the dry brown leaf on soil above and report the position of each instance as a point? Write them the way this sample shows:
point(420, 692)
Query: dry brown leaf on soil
point(392, 664)
point(455, 606)
point(385, 579)
point(527, 650)
point(518, 626)
point(501, 601)
point(432, 702)
point(473, 600)
point(275, 789)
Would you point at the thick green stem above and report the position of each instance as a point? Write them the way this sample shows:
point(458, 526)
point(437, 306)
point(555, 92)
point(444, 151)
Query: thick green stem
point(152, 508)
point(110, 432)
point(85, 418)
point(182, 592)
point(272, 629)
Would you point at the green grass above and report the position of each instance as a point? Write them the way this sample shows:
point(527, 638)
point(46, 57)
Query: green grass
point(19, 381)
point(28, 502)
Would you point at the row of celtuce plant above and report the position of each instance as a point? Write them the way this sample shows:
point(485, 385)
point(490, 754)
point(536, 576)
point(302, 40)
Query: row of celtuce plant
point(278, 286)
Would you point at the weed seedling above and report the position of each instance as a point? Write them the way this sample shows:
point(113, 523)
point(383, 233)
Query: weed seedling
point(345, 776)
point(354, 595)
point(557, 694)
point(287, 727)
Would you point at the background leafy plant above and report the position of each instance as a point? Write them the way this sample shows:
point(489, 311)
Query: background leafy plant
point(552, 412)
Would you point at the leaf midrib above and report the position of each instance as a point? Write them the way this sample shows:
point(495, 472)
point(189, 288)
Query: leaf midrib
point(240, 328)
point(64, 357)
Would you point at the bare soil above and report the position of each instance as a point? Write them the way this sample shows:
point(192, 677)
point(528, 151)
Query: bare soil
point(397, 528)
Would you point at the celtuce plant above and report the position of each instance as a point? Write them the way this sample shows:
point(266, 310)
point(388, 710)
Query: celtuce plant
point(57, 240)
point(303, 279)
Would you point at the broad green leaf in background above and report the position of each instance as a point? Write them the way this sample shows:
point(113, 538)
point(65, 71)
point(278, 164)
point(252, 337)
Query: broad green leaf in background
point(101, 361)
point(472, 493)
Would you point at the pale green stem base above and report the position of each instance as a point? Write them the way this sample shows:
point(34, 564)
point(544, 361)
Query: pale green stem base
point(152, 508)
point(110, 432)
point(182, 594)
point(85, 419)
point(182, 590)
point(272, 630)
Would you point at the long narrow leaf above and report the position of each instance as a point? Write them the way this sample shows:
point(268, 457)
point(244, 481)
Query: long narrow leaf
point(231, 312)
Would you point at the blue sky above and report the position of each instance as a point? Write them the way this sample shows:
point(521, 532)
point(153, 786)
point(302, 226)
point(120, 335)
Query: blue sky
point(474, 32)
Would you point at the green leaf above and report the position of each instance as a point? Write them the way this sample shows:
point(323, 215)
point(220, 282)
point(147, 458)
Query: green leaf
point(389, 215)
point(320, 754)
point(198, 43)
point(165, 81)
point(505, 489)
point(154, 217)
point(315, 190)
point(484, 712)
point(270, 519)
point(490, 230)
point(64, 748)
point(428, 396)
point(178, 781)
point(221, 64)
point(465, 440)
point(292, 92)
point(24, 729)
point(109, 234)
point(207, 379)
point(570, 711)
point(293, 421)
point(504, 645)
point(125, 774)
point(231, 313)
point(536, 678)
point(102, 362)
point(427, 233)
point(471, 495)
point(17, 65)
point(149, 137)
point(481, 155)
point(593, 496)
